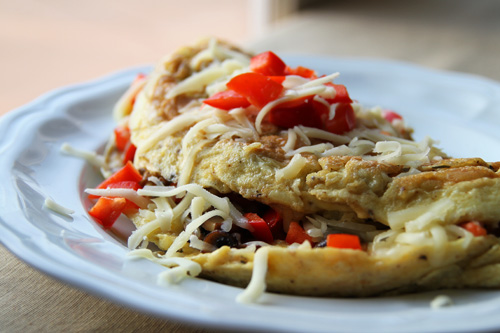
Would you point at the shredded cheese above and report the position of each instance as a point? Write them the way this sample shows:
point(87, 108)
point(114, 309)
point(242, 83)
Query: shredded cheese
point(54, 206)
point(90, 156)
point(183, 237)
point(293, 168)
point(179, 268)
point(126, 193)
point(170, 191)
point(441, 301)
point(257, 285)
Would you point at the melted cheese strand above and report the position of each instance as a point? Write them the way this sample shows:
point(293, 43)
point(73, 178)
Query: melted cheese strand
point(169, 191)
point(54, 206)
point(302, 135)
point(90, 156)
point(257, 285)
point(291, 140)
point(188, 163)
point(197, 81)
point(293, 168)
point(183, 237)
point(197, 207)
point(140, 233)
point(183, 267)
point(314, 149)
point(320, 81)
point(170, 127)
point(164, 213)
point(127, 193)
point(200, 245)
point(317, 133)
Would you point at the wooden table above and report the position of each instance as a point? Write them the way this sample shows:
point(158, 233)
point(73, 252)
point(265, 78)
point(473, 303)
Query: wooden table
point(45, 45)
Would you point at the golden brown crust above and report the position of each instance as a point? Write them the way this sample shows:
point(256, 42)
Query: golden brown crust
point(339, 272)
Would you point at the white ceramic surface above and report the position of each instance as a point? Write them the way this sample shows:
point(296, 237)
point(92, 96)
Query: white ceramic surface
point(462, 112)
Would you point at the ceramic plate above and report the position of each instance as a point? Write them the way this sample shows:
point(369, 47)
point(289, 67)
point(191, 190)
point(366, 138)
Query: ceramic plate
point(461, 111)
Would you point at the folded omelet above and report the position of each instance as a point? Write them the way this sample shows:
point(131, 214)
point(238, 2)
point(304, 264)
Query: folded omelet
point(254, 167)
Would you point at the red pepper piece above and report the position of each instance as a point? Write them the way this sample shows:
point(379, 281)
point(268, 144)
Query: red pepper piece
point(301, 71)
point(278, 79)
point(129, 154)
point(475, 228)
point(258, 89)
point(107, 210)
point(303, 111)
point(227, 100)
point(343, 241)
point(261, 229)
point(296, 234)
point(341, 96)
point(275, 223)
point(267, 63)
point(138, 80)
point(122, 137)
point(390, 116)
point(126, 173)
point(344, 120)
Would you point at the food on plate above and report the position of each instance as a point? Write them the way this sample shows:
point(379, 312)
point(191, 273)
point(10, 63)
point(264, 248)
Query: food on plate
point(231, 164)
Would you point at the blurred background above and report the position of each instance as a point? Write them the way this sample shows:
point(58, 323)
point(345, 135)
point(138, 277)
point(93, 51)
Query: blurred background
point(46, 44)
point(50, 43)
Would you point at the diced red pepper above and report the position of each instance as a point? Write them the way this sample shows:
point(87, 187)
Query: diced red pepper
point(341, 96)
point(344, 120)
point(296, 234)
point(261, 230)
point(107, 210)
point(138, 80)
point(275, 223)
point(258, 89)
point(303, 111)
point(301, 71)
point(122, 137)
point(278, 79)
point(267, 63)
point(475, 228)
point(129, 153)
point(126, 173)
point(390, 116)
point(227, 100)
point(343, 241)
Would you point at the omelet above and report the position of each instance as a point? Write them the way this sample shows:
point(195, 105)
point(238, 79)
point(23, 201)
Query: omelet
point(253, 167)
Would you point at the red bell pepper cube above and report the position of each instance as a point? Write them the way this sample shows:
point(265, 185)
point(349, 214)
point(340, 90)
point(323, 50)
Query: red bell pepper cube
point(341, 96)
point(296, 234)
point(301, 71)
point(122, 137)
point(257, 88)
point(129, 154)
point(267, 63)
point(390, 116)
point(343, 241)
point(475, 228)
point(303, 111)
point(344, 120)
point(227, 100)
point(275, 223)
point(261, 230)
point(107, 210)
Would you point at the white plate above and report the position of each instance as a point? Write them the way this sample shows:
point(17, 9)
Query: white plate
point(463, 112)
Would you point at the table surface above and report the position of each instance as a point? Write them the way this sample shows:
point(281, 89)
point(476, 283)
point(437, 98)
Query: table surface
point(49, 44)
